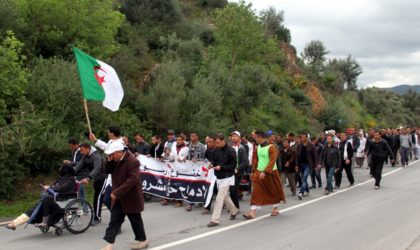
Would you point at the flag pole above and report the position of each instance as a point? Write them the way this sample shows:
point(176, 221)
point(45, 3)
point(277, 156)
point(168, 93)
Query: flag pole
point(87, 116)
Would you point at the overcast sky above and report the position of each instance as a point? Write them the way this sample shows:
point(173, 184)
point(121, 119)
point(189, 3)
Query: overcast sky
point(383, 35)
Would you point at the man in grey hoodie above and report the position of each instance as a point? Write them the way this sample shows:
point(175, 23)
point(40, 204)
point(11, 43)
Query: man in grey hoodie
point(90, 168)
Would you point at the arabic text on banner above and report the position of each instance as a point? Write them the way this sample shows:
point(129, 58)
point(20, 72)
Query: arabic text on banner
point(188, 181)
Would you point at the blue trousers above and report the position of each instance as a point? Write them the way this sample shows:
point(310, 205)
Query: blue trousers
point(304, 173)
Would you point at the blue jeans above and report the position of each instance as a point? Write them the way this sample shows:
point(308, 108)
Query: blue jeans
point(329, 173)
point(316, 176)
point(304, 173)
point(82, 195)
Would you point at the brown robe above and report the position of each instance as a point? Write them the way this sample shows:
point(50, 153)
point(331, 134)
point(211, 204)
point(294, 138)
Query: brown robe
point(268, 191)
point(126, 183)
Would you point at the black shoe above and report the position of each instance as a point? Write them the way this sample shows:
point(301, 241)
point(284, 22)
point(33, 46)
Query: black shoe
point(312, 187)
point(320, 186)
point(212, 224)
point(233, 216)
point(300, 196)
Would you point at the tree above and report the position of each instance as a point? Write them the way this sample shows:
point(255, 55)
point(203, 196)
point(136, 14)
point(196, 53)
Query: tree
point(10, 16)
point(151, 12)
point(165, 99)
point(56, 85)
point(53, 27)
point(13, 76)
point(212, 3)
point(348, 69)
point(314, 52)
point(272, 21)
point(187, 52)
point(204, 107)
point(314, 56)
point(239, 36)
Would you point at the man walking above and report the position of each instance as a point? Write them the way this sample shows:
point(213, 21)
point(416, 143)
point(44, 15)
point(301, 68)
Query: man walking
point(379, 150)
point(288, 170)
point(394, 143)
point(225, 162)
point(126, 196)
point(266, 183)
point(306, 159)
point(242, 164)
point(90, 168)
point(346, 156)
point(316, 172)
point(405, 146)
point(330, 160)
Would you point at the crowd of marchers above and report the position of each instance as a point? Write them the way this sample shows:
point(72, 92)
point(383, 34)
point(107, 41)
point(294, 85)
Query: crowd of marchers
point(260, 164)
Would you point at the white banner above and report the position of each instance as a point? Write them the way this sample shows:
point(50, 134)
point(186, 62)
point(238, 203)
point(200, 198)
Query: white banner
point(189, 181)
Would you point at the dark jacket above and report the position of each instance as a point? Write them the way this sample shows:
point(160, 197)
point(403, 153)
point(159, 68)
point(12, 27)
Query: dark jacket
point(90, 166)
point(319, 147)
point(380, 150)
point(225, 158)
point(394, 142)
point(349, 150)
point(156, 150)
point(209, 155)
point(287, 155)
point(66, 182)
point(126, 183)
point(330, 154)
point(76, 156)
point(355, 142)
point(310, 154)
point(242, 158)
point(142, 148)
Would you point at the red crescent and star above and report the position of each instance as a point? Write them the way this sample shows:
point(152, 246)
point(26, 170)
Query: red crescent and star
point(99, 79)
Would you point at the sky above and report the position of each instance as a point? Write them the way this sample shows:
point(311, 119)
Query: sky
point(383, 35)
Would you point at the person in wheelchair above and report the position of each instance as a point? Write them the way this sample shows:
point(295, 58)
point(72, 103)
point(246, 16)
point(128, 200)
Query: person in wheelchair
point(47, 211)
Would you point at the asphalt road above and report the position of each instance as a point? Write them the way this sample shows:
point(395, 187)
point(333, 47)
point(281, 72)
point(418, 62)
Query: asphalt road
point(355, 218)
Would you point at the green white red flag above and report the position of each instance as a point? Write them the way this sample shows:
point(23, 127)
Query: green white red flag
point(99, 81)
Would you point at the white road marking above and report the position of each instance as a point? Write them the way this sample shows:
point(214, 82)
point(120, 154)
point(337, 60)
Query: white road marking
point(223, 229)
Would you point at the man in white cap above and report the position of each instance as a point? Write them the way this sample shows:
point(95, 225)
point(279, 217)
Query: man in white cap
point(242, 163)
point(126, 196)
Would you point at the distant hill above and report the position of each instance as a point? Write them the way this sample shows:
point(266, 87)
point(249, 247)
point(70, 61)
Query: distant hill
point(401, 89)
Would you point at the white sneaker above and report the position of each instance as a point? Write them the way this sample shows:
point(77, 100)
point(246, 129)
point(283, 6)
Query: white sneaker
point(139, 245)
point(377, 187)
point(300, 196)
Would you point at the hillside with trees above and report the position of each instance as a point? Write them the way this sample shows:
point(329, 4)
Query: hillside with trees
point(189, 65)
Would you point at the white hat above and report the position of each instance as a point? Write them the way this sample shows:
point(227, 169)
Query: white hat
point(236, 133)
point(114, 147)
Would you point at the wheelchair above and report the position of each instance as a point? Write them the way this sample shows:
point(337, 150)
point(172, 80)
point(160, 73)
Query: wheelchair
point(77, 213)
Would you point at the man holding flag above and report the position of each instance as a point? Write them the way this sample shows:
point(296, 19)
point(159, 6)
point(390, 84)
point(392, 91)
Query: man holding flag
point(100, 82)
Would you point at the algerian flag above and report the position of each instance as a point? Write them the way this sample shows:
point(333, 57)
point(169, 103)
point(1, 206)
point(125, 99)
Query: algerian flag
point(99, 81)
